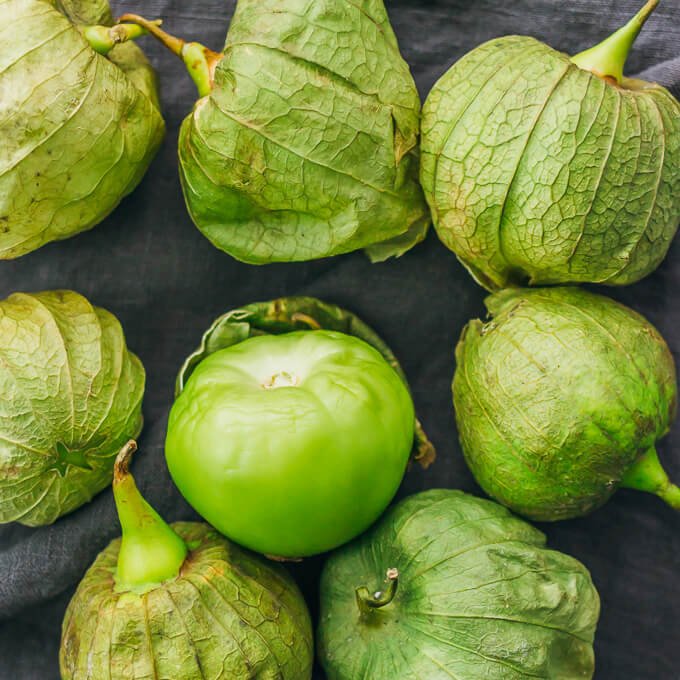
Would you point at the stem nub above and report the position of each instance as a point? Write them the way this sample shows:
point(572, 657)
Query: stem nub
point(609, 57)
point(426, 454)
point(122, 462)
point(368, 601)
point(199, 60)
point(646, 474)
point(103, 39)
point(150, 551)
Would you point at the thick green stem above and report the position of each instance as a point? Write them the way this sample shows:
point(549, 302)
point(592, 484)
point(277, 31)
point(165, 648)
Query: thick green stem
point(150, 551)
point(103, 39)
point(367, 601)
point(648, 475)
point(199, 60)
point(608, 58)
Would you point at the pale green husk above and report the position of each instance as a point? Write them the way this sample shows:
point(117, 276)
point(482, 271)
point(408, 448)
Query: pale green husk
point(307, 145)
point(77, 129)
point(479, 597)
point(538, 170)
point(229, 615)
point(557, 396)
point(70, 397)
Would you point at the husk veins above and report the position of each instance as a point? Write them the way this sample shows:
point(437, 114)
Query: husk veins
point(70, 396)
point(538, 170)
point(77, 129)
point(557, 396)
point(228, 616)
point(479, 598)
point(307, 144)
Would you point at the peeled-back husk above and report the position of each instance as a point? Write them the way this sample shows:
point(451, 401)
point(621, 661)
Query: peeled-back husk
point(295, 313)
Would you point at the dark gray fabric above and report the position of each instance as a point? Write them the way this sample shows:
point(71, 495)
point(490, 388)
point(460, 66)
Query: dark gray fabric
point(149, 265)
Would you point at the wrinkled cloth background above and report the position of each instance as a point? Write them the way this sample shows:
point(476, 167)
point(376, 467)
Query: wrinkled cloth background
point(151, 267)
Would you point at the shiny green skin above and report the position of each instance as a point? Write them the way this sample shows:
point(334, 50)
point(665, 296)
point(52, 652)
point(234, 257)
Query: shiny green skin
point(557, 396)
point(229, 615)
point(292, 470)
point(77, 129)
point(294, 313)
point(70, 397)
point(307, 145)
point(479, 598)
point(537, 170)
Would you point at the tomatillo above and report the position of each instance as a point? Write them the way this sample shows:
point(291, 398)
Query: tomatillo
point(291, 444)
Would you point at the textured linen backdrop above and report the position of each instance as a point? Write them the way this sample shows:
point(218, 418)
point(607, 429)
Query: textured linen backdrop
point(151, 267)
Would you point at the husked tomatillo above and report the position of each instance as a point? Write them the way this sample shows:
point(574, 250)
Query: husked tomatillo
point(292, 428)
point(291, 444)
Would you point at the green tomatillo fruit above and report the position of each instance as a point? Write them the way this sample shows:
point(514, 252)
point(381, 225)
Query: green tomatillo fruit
point(553, 169)
point(303, 143)
point(291, 442)
point(471, 593)
point(79, 119)
point(560, 398)
point(70, 397)
point(181, 602)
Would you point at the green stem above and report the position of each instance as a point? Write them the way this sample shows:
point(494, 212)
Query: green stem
point(103, 39)
point(150, 551)
point(646, 474)
point(367, 601)
point(608, 58)
point(199, 60)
